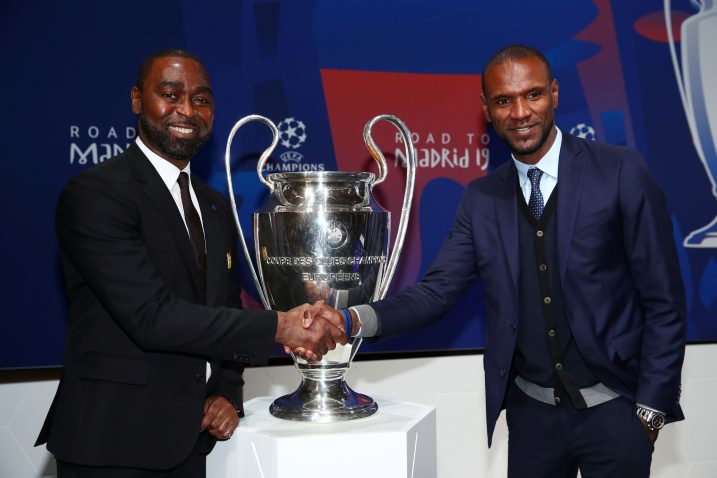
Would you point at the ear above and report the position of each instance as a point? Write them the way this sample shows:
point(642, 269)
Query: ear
point(136, 97)
point(484, 104)
point(554, 92)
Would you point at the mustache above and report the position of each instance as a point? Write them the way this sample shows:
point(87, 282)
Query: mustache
point(167, 122)
point(180, 122)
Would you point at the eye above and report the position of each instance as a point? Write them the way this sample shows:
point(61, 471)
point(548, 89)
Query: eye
point(169, 96)
point(502, 101)
point(201, 100)
point(534, 95)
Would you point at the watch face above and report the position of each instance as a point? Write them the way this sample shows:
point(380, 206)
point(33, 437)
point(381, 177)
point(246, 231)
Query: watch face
point(658, 421)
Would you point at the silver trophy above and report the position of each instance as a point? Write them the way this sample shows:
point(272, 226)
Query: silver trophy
point(321, 236)
point(696, 77)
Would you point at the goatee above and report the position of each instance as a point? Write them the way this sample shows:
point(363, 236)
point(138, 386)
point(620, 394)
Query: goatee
point(516, 148)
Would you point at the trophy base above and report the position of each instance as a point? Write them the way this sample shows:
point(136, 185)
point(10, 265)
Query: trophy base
point(323, 402)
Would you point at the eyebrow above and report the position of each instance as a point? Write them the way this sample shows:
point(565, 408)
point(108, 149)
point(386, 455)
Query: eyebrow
point(538, 89)
point(170, 84)
point(179, 85)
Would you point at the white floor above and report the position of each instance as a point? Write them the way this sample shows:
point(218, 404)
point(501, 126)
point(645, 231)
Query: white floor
point(454, 385)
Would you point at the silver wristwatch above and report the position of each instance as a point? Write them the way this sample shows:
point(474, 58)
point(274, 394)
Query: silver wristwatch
point(654, 420)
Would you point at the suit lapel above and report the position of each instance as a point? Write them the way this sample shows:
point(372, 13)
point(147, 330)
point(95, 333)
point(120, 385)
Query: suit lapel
point(214, 239)
point(157, 192)
point(506, 209)
point(571, 169)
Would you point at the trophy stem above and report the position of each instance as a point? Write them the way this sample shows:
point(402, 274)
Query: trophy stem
point(323, 397)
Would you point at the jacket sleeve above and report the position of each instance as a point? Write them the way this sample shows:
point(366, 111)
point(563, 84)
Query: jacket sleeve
point(652, 260)
point(448, 276)
point(100, 234)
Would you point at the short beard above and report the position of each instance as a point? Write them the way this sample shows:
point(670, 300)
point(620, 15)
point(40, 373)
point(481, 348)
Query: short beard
point(181, 149)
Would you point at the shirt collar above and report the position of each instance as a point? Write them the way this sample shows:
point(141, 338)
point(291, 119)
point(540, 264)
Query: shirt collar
point(167, 171)
point(548, 163)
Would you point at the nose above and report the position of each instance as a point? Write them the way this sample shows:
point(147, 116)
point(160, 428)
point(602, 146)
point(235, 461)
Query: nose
point(185, 107)
point(519, 109)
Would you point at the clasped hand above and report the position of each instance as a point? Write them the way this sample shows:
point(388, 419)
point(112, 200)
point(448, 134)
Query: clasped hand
point(310, 331)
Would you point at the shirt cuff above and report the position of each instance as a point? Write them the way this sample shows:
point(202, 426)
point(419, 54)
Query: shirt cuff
point(368, 320)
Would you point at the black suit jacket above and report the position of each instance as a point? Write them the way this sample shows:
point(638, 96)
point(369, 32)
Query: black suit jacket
point(140, 331)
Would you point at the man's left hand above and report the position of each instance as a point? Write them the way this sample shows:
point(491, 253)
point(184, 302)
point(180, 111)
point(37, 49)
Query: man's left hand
point(651, 433)
point(220, 417)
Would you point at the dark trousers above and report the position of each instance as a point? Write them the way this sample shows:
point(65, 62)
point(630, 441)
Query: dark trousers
point(605, 441)
point(193, 467)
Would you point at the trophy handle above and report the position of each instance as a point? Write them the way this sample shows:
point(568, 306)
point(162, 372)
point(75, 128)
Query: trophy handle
point(676, 63)
point(377, 155)
point(267, 182)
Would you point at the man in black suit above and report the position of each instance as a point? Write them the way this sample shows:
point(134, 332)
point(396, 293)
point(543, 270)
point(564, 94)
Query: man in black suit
point(585, 309)
point(155, 342)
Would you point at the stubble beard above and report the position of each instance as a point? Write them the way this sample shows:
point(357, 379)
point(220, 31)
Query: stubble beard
point(516, 148)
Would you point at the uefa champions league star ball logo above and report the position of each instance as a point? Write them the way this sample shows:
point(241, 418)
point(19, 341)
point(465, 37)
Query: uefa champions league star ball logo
point(582, 130)
point(334, 235)
point(292, 133)
point(292, 136)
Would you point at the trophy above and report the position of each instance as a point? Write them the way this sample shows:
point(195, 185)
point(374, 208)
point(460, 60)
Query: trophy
point(696, 78)
point(322, 236)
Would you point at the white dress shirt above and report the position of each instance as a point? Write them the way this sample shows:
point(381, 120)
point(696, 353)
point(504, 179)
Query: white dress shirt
point(548, 164)
point(169, 174)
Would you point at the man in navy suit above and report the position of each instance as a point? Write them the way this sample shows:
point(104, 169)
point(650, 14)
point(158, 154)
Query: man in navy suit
point(156, 338)
point(585, 309)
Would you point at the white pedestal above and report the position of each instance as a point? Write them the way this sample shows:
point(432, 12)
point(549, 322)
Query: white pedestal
point(397, 441)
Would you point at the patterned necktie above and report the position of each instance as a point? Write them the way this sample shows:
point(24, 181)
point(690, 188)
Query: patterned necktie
point(194, 225)
point(535, 203)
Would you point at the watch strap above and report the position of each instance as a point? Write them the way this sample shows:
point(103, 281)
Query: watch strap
point(654, 419)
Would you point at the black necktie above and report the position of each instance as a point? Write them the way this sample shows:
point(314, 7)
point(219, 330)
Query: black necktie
point(194, 225)
point(535, 203)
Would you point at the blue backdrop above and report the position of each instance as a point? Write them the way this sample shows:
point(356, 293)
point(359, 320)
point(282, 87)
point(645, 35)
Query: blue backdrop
point(326, 67)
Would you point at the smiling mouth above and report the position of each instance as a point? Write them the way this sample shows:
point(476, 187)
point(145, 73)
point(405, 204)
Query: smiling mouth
point(182, 129)
point(522, 129)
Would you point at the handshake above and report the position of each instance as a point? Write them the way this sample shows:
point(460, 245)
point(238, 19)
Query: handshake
point(312, 330)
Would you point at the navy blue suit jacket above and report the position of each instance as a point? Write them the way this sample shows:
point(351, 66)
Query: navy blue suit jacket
point(620, 276)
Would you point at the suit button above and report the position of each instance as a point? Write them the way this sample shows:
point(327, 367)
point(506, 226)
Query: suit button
point(547, 300)
point(502, 372)
point(539, 233)
point(551, 333)
point(558, 366)
point(543, 267)
point(199, 377)
point(557, 400)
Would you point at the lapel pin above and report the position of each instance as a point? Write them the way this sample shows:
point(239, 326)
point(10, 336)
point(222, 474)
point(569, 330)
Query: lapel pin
point(229, 260)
